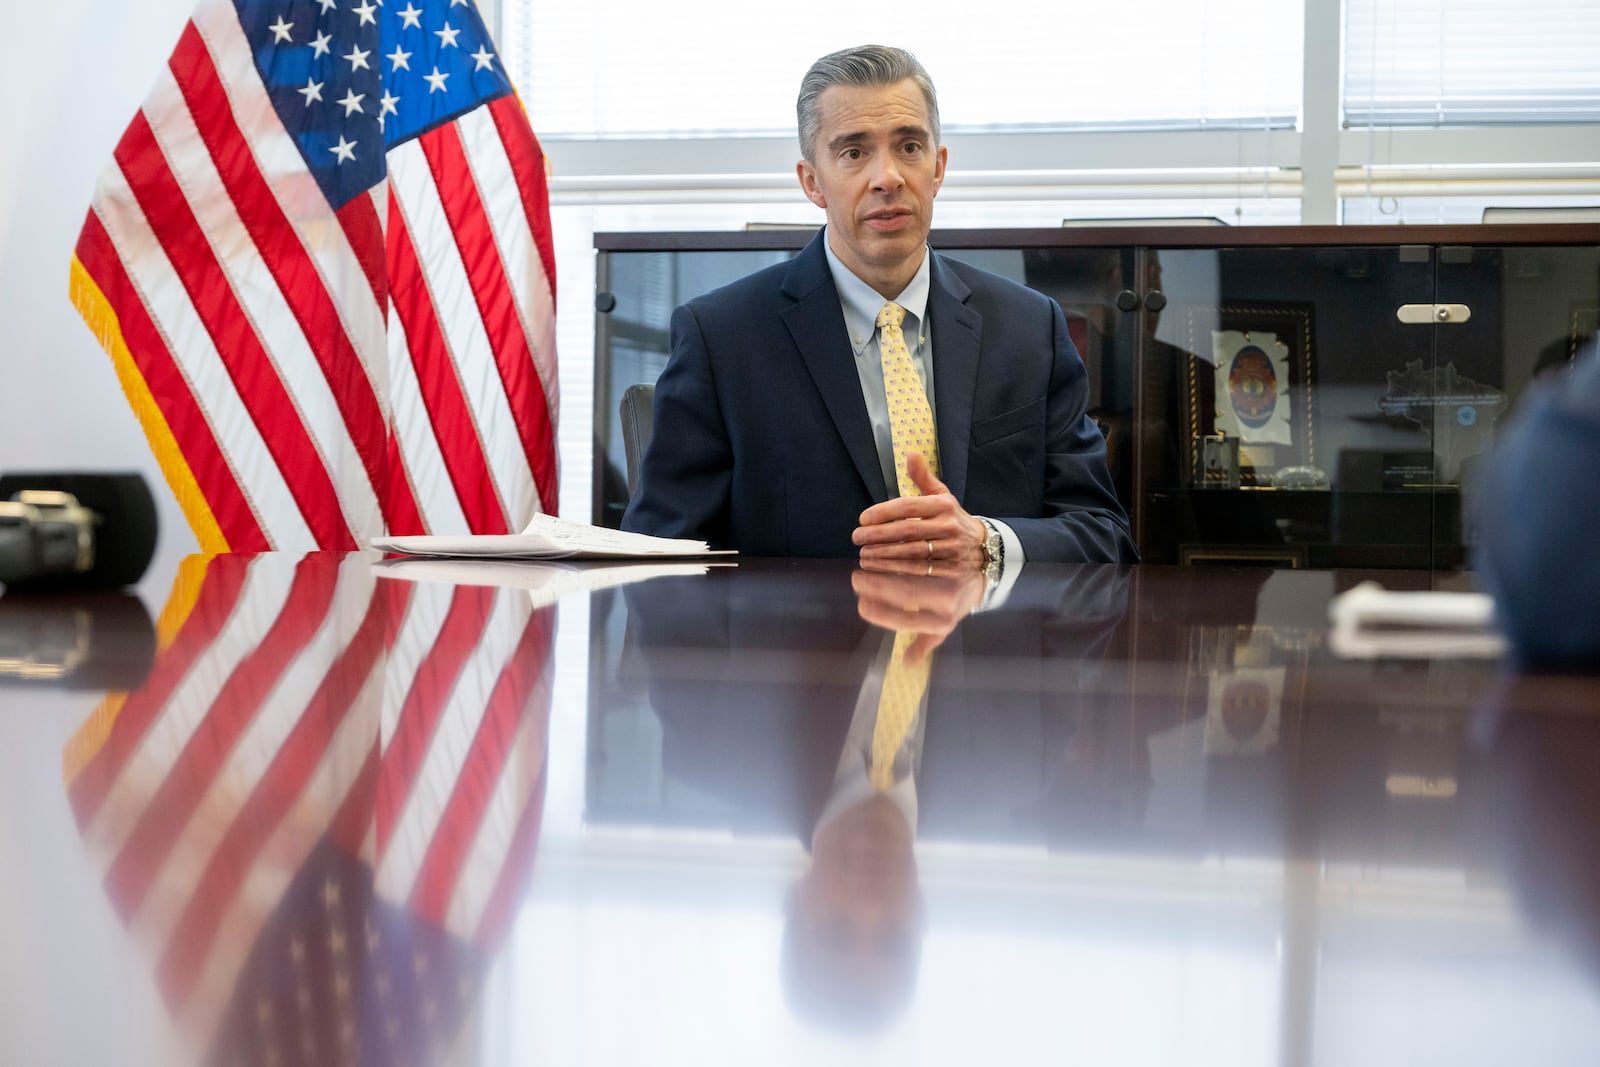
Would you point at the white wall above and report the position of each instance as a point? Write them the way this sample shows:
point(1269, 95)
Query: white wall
point(75, 78)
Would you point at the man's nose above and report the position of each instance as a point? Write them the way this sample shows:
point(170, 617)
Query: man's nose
point(886, 172)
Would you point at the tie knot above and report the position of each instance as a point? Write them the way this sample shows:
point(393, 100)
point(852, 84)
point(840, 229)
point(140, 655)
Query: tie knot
point(891, 315)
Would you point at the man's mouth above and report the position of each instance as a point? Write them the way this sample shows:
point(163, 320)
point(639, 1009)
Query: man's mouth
point(888, 220)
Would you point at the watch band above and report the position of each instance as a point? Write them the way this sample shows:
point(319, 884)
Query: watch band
point(994, 547)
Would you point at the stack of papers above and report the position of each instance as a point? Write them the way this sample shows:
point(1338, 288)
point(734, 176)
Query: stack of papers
point(546, 537)
point(1370, 622)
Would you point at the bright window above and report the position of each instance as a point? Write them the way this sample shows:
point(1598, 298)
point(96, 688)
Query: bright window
point(1471, 62)
point(727, 67)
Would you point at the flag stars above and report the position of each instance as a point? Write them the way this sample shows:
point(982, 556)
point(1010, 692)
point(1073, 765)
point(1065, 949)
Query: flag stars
point(484, 58)
point(366, 12)
point(344, 150)
point(358, 59)
point(352, 102)
point(327, 5)
point(388, 105)
point(280, 31)
point(410, 17)
point(320, 45)
point(435, 81)
point(400, 58)
point(447, 36)
point(330, 894)
point(312, 91)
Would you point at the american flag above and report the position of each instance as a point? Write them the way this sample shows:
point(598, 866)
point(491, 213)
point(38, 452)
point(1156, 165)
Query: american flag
point(321, 262)
point(319, 813)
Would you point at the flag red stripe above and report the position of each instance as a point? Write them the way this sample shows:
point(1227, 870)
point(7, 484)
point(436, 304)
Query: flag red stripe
point(527, 163)
point(442, 395)
point(364, 230)
point(224, 577)
point(148, 348)
point(298, 279)
point(164, 817)
point(401, 509)
point(497, 305)
point(274, 796)
point(481, 771)
point(436, 677)
point(249, 365)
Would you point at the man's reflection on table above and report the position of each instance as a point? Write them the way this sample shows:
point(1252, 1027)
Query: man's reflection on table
point(770, 692)
point(318, 814)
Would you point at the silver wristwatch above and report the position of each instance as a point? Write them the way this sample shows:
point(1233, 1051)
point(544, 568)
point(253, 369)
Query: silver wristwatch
point(994, 550)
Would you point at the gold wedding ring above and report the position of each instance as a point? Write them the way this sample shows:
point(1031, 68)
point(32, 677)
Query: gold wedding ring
point(930, 549)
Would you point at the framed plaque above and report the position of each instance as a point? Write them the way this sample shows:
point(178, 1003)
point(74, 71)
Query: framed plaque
point(1249, 376)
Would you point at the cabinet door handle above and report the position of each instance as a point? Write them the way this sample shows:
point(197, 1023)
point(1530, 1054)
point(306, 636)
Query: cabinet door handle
point(1433, 314)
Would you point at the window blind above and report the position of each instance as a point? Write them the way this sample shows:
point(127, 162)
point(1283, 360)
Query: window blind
point(639, 68)
point(1471, 62)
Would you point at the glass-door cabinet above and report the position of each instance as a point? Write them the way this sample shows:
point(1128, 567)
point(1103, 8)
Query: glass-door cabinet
point(1287, 396)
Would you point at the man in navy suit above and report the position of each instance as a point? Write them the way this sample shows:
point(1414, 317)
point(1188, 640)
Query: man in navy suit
point(772, 431)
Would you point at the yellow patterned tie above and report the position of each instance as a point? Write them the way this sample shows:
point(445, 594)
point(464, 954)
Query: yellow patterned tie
point(903, 686)
point(910, 416)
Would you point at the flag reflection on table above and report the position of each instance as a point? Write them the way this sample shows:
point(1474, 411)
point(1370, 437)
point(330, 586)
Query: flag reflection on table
point(319, 813)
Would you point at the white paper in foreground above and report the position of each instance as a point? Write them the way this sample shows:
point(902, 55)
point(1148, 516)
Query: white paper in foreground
point(546, 537)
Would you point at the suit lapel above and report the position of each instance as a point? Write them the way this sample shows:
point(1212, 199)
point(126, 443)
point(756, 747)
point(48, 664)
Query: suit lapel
point(957, 338)
point(816, 323)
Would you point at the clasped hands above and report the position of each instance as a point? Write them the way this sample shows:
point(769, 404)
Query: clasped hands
point(930, 534)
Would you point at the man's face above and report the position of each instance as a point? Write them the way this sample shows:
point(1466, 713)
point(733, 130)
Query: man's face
point(876, 174)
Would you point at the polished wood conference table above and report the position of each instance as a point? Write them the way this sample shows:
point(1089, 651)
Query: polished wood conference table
point(326, 810)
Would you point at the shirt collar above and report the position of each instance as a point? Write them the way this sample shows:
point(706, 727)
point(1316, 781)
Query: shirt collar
point(861, 302)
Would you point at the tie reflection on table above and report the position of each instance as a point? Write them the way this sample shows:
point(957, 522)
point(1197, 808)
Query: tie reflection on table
point(318, 813)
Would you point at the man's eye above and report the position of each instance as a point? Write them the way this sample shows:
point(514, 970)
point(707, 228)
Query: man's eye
point(851, 153)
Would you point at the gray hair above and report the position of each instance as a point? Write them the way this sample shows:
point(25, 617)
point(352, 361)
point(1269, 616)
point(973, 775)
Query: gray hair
point(868, 64)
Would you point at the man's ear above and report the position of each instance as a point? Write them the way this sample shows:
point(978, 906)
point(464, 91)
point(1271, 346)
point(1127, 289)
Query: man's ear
point(940, 159)
point(808, 184)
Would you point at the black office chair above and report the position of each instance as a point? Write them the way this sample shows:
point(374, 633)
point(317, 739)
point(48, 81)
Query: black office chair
point(638, 420)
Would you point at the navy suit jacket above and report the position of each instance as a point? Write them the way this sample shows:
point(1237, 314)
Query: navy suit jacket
point(1538, 509)
point(762, 440)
